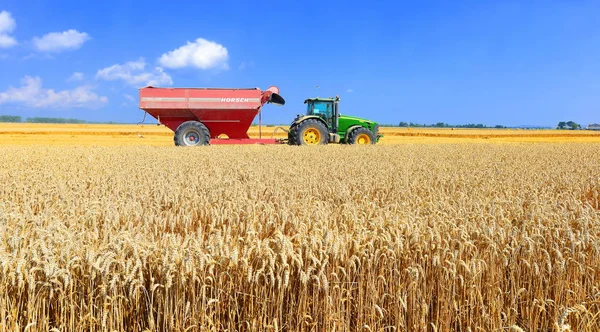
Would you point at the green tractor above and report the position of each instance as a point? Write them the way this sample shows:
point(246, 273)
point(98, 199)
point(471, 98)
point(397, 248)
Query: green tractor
point(323, 124)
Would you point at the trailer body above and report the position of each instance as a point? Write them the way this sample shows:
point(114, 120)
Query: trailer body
point(224, 111)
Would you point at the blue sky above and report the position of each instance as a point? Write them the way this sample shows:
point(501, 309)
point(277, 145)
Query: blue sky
point(504, 62)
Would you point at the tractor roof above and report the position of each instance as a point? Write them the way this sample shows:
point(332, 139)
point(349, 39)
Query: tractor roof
point(320, 99)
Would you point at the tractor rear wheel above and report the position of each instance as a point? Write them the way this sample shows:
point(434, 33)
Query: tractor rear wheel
point(292, 135)
point(310, 132)
point(361, 135)
point(191, 133)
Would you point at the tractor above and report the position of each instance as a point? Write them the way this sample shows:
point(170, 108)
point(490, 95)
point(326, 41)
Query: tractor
point(324, 124)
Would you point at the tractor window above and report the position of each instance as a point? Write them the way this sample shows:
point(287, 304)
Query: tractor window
point(322, 109)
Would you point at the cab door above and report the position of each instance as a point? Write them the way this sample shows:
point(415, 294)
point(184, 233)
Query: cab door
point(324, 110)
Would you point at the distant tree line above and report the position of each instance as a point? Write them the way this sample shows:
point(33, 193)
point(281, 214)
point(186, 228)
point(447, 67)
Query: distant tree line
point(445, 125)
point(13, 118)
point(568, 125)
point(10, 118)
point(53, 120)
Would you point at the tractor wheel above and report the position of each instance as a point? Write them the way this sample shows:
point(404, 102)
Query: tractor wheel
point(292, 135)
point(361, 135)
point(310, 132)
point(191, 133)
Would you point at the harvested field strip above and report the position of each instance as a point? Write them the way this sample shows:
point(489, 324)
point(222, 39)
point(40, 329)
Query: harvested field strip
point(91, 133)
point(153, 135)
point(495, 135)
point(268, 134)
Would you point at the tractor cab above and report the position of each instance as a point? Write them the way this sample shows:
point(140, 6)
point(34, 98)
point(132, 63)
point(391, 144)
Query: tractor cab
point(325, 108)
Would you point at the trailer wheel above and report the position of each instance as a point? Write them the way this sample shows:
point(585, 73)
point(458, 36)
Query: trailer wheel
point(361, 135)
point(310, 132)
point(191, 133)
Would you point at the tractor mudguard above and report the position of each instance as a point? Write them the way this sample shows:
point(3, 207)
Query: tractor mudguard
point(300, 119)
point(350, 129)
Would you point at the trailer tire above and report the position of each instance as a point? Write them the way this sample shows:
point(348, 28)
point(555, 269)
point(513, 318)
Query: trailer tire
point(361, 135)
point(191, 133)
point(310, 132)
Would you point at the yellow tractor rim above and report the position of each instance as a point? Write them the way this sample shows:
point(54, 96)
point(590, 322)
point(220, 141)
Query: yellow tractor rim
point(363, 139)
point(312, 136)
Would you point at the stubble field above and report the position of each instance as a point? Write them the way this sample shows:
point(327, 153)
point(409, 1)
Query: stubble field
point(112, 228)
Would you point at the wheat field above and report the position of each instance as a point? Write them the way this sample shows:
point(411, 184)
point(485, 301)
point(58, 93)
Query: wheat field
point(403, 236)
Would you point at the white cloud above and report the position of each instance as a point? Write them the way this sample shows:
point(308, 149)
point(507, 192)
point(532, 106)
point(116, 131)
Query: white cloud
point(61, 41)
point(7, 41)
point(7, 25)
point(129, 101)
point(42, 56)
point(202, 54)
point(32, 94)
point(77, 76)
point(350, 90)
point(245, 65)
point(134, 73)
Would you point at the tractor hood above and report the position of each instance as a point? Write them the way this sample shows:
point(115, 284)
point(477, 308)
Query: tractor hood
point(354, 119)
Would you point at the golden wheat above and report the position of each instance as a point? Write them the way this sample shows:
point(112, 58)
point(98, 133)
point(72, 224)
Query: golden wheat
point(446, 237)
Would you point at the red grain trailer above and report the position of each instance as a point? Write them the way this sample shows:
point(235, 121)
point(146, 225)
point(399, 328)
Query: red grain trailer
point(198, 116)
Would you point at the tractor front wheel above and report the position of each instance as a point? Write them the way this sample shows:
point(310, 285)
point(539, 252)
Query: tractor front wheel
point(191, 133)
point(309, 132)
point(361, 135)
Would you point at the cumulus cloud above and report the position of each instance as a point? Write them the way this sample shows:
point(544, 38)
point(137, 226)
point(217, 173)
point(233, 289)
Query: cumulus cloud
point(76, 77)
point(61, 41)
point(202, 54)
point(32, 94)
point(7, 23)
point(134, 73)
point(7, 41)
point(7, 26)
